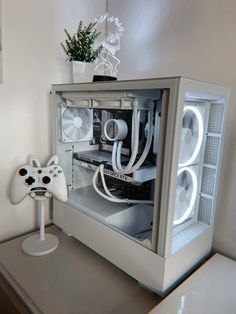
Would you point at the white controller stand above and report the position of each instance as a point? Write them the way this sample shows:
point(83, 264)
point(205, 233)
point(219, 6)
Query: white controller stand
point(40, 183)
point(42, 243)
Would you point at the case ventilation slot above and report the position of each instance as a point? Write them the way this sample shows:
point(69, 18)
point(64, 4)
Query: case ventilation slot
point(215, 118)
point(208, 181)
point(210, 162)
point(212, 149)
point(204, 214)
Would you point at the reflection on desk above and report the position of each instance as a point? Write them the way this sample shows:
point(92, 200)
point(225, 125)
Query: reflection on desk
point(72, 279)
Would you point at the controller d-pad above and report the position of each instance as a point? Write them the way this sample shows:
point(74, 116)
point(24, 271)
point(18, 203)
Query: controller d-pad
point(30, 180)
point(23, 172)
point(46, 180)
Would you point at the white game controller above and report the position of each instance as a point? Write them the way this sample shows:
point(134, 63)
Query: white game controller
point(40, 183)
point(37, 181)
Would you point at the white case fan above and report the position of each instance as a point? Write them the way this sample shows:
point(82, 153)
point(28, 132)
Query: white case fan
point(186, 194)
point(191, 143)
point(191, 135)
point(76, 124)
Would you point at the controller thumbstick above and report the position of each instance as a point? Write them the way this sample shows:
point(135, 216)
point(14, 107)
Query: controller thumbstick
point(46, 180)
point(23, 172)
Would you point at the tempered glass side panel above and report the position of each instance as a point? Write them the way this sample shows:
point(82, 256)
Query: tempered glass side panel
point(109, 145)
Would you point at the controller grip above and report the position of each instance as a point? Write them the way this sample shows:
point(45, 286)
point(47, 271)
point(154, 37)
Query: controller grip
point(59, 190)
point(17, 194)
point(62, 196)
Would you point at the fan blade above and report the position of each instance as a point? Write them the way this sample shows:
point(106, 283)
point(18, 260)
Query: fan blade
point(190, 142)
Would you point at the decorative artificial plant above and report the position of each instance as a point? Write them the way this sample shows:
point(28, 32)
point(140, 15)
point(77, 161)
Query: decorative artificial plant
point(80, 46)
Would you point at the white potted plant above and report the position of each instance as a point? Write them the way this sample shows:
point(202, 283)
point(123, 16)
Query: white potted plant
point(81, 51)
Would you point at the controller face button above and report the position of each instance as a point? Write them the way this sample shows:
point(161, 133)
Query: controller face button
point(59, 171)
point(39, 171)
point(23, 172)
point(30, 180)
point(46, 180)
point(51, 171)
point(55, 175)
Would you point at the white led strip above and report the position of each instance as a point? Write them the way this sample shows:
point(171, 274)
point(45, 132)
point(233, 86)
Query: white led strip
point(193, 197)
point(200, 136)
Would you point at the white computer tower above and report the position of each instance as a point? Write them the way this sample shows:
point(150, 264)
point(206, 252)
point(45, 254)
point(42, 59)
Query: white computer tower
point(142, 162)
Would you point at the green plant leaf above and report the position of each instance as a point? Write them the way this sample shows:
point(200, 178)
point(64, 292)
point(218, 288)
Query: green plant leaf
point(80, 46)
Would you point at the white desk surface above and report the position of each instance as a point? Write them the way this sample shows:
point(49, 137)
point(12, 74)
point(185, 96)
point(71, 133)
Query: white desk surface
point(72, 279)
point(210, 290)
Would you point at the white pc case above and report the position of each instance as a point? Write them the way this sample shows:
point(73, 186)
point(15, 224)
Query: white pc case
point(142, 161)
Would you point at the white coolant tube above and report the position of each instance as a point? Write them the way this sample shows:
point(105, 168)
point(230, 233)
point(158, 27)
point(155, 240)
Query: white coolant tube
point(127, 168)
point(113, 198)
point(101, 167)
point(146, 148)
point(118, 156)
point(113, 157)
point(148, 142)
point(133, 135)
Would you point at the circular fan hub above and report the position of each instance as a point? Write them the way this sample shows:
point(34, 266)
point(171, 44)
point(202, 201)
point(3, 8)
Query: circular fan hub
point(186, 136)
point(186, 194)
point(77, 122)
point(180, 194)
point(191, 136)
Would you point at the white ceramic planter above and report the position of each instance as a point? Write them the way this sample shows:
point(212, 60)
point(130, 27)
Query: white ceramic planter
point(82, 71)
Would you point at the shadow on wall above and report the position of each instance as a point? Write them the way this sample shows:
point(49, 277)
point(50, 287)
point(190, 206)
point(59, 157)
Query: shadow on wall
point(1, 67)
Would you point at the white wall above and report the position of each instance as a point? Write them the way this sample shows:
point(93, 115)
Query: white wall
point(195, 39)
point(162, 38)
point(32, 60)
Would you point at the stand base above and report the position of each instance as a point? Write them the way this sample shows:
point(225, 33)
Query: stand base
point(33, 246)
